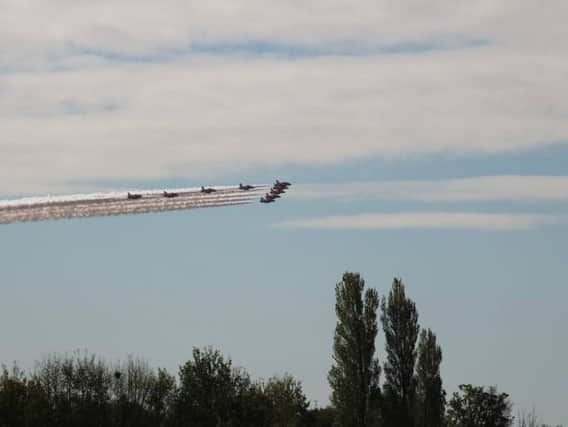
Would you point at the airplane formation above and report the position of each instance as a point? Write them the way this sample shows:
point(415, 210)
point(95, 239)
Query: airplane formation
point(133, 202)
point(276, 190)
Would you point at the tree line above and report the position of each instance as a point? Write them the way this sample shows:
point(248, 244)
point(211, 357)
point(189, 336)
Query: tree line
point(84, 390)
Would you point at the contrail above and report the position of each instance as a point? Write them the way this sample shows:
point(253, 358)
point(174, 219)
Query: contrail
point(118, 203)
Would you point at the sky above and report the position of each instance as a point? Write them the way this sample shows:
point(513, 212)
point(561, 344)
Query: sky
point(424, 141)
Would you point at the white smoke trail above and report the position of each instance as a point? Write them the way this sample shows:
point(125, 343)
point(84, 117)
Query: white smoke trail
point(117, 203)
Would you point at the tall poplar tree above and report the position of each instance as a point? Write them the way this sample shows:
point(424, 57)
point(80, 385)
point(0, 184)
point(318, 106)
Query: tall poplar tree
point(431, 397)
point(400, 324)
point(354, 376)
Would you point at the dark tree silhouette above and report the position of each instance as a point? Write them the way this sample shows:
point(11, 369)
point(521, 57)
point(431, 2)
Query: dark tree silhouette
point(287, 401)
point(431, 397)
point(476, 407)
point(206, 389)
point(162, 396)
point(400, 324)
point(354, 376)
point(13, 396)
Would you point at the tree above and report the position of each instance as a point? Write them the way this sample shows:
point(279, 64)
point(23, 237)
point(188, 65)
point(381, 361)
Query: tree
point(354, 376)
point(84, 390)
point(212, 393)
point(287, 401)
point(250, 406)
point(475, 407)
point(72, 390)
point(132, 387)
point(400, 324)
point(320, 417)
point(13, 397)
point(431, 397)
point(162, 396)
point(206, 389)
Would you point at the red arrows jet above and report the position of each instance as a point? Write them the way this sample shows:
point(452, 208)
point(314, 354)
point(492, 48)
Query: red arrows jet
point(207, 190)
point(267, 199)
point(282, 184)
point(277, 190)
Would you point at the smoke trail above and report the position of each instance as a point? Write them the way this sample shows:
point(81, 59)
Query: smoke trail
point(105, 204)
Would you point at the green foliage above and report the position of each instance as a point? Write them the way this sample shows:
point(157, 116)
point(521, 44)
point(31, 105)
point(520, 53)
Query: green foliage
point(354, 376)
point(86, 391)
point(162, 396)
point(475, 407)
point(251, 406)
point(206, 389)
point(13, 397)
point(72, 390)
point(400, 325)
point(320, 417)
point(431, 397)
point(83, 390)
point(212, 393)
point(287, 401)
point(140, 395)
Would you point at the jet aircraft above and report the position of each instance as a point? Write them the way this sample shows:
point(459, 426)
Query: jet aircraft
point(207, 190)
point(246, 187)
point(267, 200)
point(277, 191)
point(282, 184)
point(170, 195)
point(133, 196)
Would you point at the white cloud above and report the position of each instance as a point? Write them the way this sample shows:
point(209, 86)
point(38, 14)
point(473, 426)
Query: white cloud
point(428, 220)
point(209, 115)
point(482, 188)
point(201, 116)
point(48, 28)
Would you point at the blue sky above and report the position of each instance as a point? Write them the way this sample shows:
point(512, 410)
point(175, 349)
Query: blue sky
point(453, 112)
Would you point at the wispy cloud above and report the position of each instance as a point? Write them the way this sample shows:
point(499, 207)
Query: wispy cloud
point(76, 107)
point(263, 48)
point(37, 28)
point(428, 220)
point(484, 188)
point(190, 119)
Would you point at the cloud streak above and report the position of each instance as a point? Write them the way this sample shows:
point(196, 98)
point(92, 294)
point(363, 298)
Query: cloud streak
point(484, 188)
point(61, 27)
point(428, 220)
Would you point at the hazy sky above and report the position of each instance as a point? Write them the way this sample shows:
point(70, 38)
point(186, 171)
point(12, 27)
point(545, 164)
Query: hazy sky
point(425, 140)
